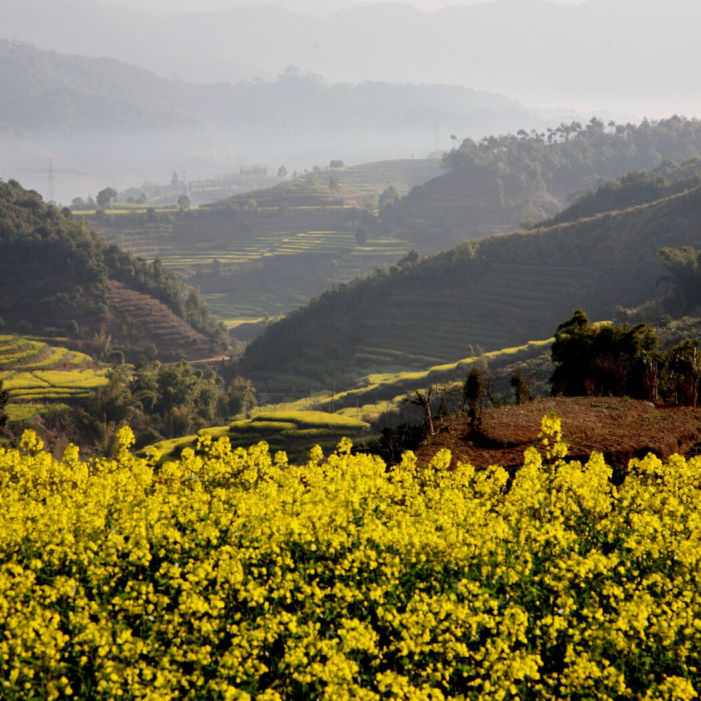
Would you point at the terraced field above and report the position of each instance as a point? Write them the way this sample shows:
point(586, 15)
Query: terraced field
point(140, 317)
point(403, 174)
point(299, 223)
point(34, 371)
point(249, 290)
point(294, 432)
point(369, 397)
point(444, 324)
point(185, 246)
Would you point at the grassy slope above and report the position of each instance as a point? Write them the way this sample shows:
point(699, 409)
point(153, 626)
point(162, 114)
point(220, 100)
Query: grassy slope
point(501, 292)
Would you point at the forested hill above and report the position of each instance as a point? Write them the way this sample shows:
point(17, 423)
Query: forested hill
point(501, 181)
point(57, 277)
point(635, 188)
point(49, 91)
point(494, 293)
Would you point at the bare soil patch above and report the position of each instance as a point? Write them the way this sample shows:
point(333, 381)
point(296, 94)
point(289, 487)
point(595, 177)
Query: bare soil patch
point(619, 428)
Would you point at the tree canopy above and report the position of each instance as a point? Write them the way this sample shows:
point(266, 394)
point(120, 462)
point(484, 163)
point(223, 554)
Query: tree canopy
point(54, 269)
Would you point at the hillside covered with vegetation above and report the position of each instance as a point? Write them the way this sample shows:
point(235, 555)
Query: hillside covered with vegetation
point(497, 183)
point(58, 277)
point(261, 254)
point(494, 293)
point(633, 189)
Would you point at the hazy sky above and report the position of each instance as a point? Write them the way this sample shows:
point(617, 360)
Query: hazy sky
point(304, 6)
point(433, 5)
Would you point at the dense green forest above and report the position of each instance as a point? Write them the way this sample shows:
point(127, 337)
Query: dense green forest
point(57, 276)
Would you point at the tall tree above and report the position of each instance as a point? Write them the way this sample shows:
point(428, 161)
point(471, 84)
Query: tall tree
point(610, 360)
point(241, 396)
point(473, 395)
point(104, 197)
point(4, 401)
point(423, 400)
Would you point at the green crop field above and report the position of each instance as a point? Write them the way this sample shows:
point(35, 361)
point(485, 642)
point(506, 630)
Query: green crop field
point(34, 371)
point(294, 432)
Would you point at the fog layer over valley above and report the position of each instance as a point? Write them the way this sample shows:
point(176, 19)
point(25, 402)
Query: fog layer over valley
point(213, 89)
point(105, 121)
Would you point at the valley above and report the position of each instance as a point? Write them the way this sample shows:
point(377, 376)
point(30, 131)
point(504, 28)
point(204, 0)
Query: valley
point(350, 351)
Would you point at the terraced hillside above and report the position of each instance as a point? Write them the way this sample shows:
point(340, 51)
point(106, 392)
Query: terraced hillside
point(497, 292)
point(381, 397)
point(462, 205)
point(57, 277)
point(37, 374)
point(140, 319)
point(255, 259)
point(294, 432)
point(402, 174)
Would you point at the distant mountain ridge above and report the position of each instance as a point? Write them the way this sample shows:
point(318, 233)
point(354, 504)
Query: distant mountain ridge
point(589, 54)
point(107, 116)
point(52, 91)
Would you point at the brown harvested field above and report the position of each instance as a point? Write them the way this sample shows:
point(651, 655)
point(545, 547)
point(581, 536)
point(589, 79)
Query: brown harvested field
point(619, 428)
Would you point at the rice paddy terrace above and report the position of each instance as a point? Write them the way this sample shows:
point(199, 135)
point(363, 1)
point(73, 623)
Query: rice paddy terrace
point(277, 259)
point(36, 374)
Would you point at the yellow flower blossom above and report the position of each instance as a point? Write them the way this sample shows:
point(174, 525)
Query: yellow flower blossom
point(231, 574)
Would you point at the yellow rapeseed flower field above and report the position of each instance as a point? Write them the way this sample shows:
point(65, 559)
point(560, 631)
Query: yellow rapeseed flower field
point(232, 574)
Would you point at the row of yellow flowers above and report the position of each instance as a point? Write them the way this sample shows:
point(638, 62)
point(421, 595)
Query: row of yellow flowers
point(232, 575)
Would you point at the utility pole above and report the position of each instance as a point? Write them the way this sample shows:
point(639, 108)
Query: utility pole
point(51, 180)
